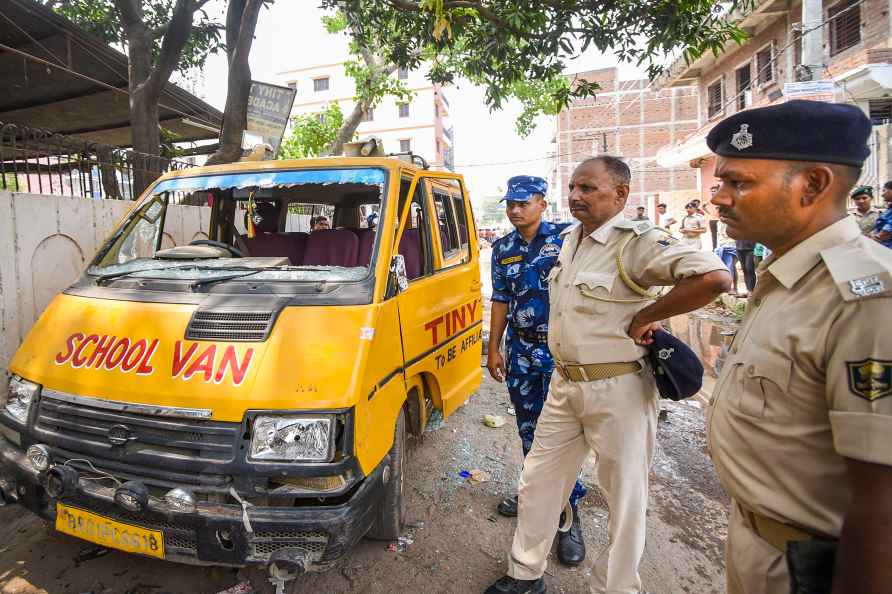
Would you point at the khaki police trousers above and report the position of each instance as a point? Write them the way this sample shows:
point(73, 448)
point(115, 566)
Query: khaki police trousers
point(616, 419)
point(752, 566)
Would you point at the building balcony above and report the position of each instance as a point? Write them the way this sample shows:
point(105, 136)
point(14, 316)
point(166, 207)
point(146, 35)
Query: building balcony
point(682, 73)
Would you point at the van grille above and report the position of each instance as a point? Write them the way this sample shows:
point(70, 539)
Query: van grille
point(236, 326)
point(82, 428)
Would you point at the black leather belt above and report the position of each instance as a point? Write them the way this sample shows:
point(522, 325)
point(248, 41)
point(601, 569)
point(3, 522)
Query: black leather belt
point(531, 335)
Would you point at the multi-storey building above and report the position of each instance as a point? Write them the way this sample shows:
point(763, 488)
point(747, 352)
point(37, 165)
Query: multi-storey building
point(421, 125)
point(632, 120)
point(845, 44)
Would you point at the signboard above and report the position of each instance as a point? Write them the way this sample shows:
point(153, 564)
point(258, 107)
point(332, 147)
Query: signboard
point(269, 107)
point(809, 89)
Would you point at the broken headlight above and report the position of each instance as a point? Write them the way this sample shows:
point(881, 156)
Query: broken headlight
point(293, 439)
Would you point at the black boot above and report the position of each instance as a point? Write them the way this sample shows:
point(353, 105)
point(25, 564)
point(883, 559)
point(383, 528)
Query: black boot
point(509, 585)
point(571, 546)
point(508, 507)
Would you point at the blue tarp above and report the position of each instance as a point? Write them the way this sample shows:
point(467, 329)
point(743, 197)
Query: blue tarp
point(266, 179)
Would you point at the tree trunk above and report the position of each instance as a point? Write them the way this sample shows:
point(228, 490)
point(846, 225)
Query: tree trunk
point(146, 136)
point(240, 28)
point(147, 81)
point(347, 130)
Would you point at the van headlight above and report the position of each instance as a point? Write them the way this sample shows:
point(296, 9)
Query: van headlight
point(19, 398)
point(293, 438)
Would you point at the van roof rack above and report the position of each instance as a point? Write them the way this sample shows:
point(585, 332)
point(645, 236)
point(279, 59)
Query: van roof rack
point(411, 158)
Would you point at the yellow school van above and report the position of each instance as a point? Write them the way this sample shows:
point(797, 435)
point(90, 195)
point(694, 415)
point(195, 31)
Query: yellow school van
point(247, 398)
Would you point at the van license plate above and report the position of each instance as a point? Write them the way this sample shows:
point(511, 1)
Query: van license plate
point(109, 533)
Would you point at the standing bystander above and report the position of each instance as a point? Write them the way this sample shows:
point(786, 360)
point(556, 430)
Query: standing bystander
point(665, 220)
point(800, 426)
point(521, 262)
point(693, 226)
point(882, 232)
point(603, 398)
point(865, 214)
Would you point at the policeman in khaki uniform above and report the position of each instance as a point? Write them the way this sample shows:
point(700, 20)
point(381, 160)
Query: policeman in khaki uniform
point(800, 427)
point(603, 396)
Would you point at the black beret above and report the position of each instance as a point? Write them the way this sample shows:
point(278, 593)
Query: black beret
point(795, 131)
point(677, 369)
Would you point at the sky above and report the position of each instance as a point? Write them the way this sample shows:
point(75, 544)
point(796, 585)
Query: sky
point(487, 149)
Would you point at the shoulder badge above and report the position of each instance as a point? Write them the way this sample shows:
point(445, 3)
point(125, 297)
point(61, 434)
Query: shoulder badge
point(860, 269)
point(639, 227)
point(870, 379)
point(867, 286)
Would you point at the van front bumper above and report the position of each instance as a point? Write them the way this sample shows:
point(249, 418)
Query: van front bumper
point(311, 537)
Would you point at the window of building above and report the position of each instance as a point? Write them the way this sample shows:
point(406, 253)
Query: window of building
point(404, 110)
point(405, 145)
point(715, 97)
point(797, 47)
point(368, 115)
point(320, 117)
point(320, 84)
point(744, 75)
point(845, 25)
point(880, 111)
point(765, 65)
point(402, 73)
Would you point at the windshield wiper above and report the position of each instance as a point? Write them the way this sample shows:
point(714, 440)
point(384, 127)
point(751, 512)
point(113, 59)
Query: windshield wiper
point(209, 281)
point(102, 278)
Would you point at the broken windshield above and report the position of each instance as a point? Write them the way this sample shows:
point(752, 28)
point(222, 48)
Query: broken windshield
point(304, 225)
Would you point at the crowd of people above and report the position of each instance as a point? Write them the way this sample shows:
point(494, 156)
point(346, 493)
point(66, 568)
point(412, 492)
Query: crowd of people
point(800, 422)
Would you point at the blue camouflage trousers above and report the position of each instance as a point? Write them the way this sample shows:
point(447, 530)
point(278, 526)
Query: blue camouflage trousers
point(528, 392)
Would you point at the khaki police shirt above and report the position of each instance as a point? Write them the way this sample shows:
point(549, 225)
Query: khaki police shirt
point(867, 221)
point(807, 380)
point(584, 329)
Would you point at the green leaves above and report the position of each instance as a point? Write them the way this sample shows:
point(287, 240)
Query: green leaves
point(505, 44)
point(312, 134)
point(101, 18)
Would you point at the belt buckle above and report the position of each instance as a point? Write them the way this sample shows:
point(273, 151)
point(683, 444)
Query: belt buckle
point(583, 373)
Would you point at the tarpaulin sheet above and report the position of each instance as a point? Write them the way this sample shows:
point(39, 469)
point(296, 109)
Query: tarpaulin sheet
point(266, 179)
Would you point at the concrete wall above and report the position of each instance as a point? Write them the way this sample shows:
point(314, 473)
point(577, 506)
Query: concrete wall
point(47, 241)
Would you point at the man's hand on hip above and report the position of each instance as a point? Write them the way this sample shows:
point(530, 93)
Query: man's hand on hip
point(495, 363)
point(642, 332)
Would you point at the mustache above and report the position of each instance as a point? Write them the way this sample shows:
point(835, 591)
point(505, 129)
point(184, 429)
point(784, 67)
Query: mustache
point(725, 212)
point(578, 204)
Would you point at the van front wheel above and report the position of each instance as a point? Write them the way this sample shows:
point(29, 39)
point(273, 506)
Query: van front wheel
point(390, 515)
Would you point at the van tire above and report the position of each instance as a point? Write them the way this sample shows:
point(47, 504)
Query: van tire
point(391, 512)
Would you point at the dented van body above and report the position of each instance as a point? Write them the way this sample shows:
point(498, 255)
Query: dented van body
point(247, 398)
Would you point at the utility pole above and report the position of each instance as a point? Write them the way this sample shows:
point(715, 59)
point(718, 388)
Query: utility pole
point(812, 38)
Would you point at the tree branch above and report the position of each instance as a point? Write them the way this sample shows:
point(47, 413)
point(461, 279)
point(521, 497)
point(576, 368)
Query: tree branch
point(179, 29)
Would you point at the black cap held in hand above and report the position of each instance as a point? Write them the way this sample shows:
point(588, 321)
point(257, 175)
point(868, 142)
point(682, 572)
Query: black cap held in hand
point(677, 369)
point(795, 131)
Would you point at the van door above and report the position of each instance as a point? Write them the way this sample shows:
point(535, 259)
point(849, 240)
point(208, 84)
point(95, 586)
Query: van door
point(441, 311)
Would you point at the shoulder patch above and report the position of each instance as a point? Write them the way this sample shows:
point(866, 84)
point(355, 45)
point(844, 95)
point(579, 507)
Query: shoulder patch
point(639, 227)
point(870, 379)
point(860, 270)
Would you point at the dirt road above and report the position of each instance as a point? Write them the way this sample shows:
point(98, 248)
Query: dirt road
point(458, 541)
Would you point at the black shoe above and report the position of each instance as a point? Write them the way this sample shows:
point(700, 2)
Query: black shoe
point(571, 546)
point(508, 507)
point(509, 585)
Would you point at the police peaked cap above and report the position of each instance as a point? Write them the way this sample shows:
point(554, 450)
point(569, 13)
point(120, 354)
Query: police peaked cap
point(676, 368)
point(795, 131)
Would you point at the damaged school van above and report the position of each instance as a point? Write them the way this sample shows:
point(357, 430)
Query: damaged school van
point(247, 398)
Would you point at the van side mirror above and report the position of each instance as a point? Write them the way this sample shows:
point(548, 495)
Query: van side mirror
point(399, 280)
